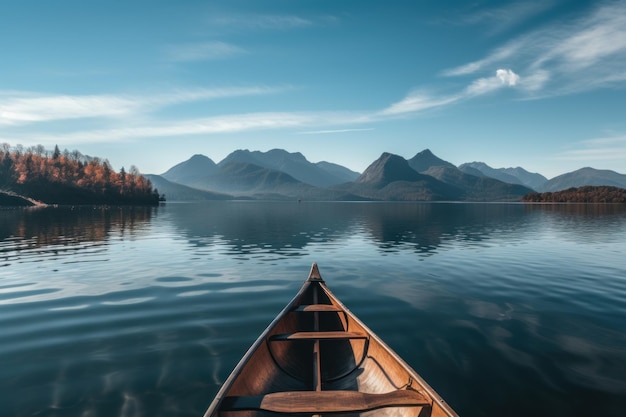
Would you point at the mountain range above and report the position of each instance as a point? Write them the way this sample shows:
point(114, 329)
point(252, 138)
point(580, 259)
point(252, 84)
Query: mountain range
point(278, 174)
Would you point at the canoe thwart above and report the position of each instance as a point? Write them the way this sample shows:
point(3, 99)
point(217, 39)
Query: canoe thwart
point(318, 336)
point(317, 307)
point(319, 402)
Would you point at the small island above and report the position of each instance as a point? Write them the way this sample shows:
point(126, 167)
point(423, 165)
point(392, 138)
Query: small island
point(36, 176)
point(586, 194)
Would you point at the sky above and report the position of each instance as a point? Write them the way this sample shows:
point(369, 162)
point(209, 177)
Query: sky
point(149, 83)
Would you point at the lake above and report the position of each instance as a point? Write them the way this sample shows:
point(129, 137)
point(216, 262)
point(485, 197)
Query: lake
point(505, 309)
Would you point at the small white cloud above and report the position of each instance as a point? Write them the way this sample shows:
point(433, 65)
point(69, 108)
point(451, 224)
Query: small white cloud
point(503, 78)
point(507, 77)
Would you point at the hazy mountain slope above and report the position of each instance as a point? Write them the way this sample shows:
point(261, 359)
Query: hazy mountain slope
point(585, 176)
point(294, 164)
point(426, 159)
point(470, 170)
point(516, 175)
point(253, 181)
point(178, 192)
point(488, 171)
point(529, 179)
point(186, 172)
point(478, 188)
point(338, 171)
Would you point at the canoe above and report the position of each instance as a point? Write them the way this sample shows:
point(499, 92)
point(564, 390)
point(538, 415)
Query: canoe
point(317, 358)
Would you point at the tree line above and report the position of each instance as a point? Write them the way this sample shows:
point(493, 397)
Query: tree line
point(586, 194)
point(64, 177)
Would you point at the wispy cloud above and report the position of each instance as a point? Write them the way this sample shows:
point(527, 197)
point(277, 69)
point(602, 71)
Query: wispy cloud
point(580, 54)
point(506, 17)
point(500, 54)
point(19, 108)
point(610, 148)
point(31, 109)
point(232, 123)
point(260, 22)
point(503, 78)
point(324, 132)
point(417, 101)
point(205, 51)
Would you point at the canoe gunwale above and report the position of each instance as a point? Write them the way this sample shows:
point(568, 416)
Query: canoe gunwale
point(258, 342)
point(415, 382)
point(415, 377)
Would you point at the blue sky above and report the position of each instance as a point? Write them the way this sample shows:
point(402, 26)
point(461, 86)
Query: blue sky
point(539, 84)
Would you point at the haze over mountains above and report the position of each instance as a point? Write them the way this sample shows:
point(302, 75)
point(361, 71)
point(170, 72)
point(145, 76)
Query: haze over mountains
point(278, 174)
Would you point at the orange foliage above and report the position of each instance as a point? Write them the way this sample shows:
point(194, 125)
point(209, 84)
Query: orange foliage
point(23, 167)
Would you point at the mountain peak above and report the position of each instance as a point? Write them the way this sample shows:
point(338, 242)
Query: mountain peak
point(388, 168)
point(200, 158)
point(197, 165)
point(294, 164)
point(425, 159)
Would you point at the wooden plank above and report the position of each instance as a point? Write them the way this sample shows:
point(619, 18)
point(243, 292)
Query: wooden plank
point(317, 307)
point(319, 402)
point(317, 336)
point(317, 365)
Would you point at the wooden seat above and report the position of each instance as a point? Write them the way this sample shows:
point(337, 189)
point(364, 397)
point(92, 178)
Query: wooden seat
point(320, 402)
point(318, 336)
point(317, 307)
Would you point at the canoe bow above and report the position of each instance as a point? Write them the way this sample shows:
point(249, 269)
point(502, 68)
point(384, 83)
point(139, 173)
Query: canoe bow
point(315, 358)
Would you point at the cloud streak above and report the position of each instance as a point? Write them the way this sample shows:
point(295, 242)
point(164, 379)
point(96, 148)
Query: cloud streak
point(581, 54)
point(232, 123)
point(418, 101)
point(611, 148)
point(19, 108)
point(205, 51)
point(260, 22)
point(324, 132)
point(507, 17)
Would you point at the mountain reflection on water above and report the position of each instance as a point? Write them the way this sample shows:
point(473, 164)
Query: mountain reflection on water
point(505, 309)
point(282, 227)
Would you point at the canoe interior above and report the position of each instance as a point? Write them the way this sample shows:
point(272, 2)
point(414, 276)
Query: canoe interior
point(316, 345)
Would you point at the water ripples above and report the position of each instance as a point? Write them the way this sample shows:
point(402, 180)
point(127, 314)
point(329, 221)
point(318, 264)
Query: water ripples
point(117, 312)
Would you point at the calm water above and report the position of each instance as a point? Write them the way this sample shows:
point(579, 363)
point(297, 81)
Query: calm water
point(506, 310)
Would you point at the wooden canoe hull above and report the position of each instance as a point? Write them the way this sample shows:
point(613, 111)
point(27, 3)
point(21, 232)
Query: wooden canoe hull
point(317, 358)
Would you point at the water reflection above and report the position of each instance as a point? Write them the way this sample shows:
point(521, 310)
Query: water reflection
point(501, 307)
point(60, 229)
point(288, 228)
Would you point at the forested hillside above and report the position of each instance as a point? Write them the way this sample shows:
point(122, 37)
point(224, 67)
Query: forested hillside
point(588, 194)
point(55, 177)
